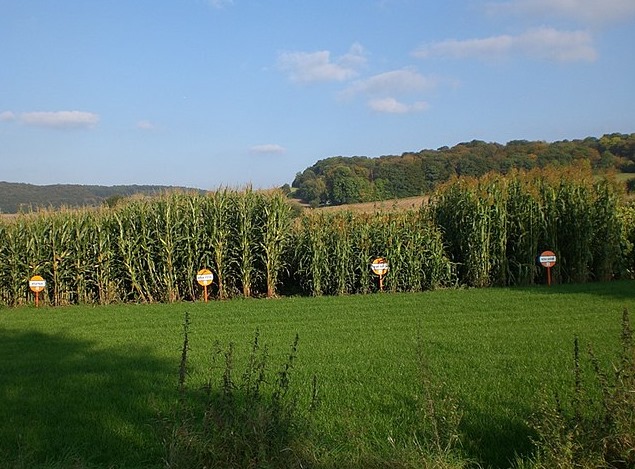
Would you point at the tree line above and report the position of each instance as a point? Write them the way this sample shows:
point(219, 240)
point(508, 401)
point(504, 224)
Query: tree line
point(342, 180)
point(21, 197)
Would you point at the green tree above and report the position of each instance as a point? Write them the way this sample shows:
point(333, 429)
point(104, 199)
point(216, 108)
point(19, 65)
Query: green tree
point(344, 187)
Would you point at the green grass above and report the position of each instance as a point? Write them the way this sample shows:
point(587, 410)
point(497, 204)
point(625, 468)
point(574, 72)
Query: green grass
point(84, 386)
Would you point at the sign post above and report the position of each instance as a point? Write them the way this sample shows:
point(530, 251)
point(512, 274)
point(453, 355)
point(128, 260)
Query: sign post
point(547, 259)
point(380, 267)
point(37, 284)
point(205, 277)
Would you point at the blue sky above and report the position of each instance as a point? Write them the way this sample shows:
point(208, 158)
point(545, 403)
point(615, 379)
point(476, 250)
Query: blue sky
point(210, 93)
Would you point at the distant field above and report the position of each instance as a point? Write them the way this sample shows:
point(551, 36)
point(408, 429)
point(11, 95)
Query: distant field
point(416, 202)
point(84, 386)
point(624, 176)
point(384, 205)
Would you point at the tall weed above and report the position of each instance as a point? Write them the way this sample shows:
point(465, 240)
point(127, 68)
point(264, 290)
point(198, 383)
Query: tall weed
point(238, 420)
point(597, 428)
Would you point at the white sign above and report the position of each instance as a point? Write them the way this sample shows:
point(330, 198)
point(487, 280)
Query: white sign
point(380, 266)
point(547, 259)
point(205, 279)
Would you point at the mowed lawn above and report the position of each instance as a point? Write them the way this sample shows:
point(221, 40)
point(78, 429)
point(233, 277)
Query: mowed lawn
point(91, 386)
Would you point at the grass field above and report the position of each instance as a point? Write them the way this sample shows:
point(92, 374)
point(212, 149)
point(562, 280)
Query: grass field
point(86, 386)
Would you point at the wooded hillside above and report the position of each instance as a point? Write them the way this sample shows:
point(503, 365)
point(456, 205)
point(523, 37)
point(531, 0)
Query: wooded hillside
point(16, 197)
point(342, 180)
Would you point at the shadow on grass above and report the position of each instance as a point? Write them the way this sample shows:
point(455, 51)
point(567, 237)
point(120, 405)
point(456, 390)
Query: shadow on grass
point(64, 403)
point(616, 289)
point(493, 440)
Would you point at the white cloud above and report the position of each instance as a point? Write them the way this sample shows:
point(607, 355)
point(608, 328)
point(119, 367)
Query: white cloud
point(309, 67)
point(355, 57)
point(541, 43)
point(267, 148)
point(145, 125)
point(588, 11)
point(7, 116)
point(551, 44)
point(383, 88)
point(392, 106)
point(396, 81)
point(60, 119)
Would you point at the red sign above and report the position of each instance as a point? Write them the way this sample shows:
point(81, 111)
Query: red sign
point(547, 259)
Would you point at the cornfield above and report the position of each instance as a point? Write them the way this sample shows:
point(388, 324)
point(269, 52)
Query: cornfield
point(334, 250)
point(496, 226)
point(475, 232)
point(148, 250)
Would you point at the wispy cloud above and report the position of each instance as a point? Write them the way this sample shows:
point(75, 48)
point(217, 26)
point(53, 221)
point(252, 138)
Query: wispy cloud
point(145, 125)
point(55, 120)
point(396, 81)
point(587, 11)
point(311, 67)
point(219, 4)
point(541, 43)
point(267, 148)
point(388, 91)
point(7, 116)
point(393, 106)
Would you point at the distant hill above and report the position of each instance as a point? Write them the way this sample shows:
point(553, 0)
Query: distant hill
point(16, 197)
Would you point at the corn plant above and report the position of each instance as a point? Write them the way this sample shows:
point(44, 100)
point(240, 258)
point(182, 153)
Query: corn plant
point(275, 220)
point(523, 231)
point(626, 215)
point(362, 246)
point(106, 278)
point(575, 225)
point(129, 250)
point(311, 255)
point(548, 219)
point(340, 243)
point(218, 235)
point(607, 231)
point(16, 250)
point(494, 193)
point(464, 219)
point(246, 234)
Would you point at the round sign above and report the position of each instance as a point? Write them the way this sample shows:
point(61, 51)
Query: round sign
point(547, 259)
point(380, 266)
point(204, 277)
point(37, 283)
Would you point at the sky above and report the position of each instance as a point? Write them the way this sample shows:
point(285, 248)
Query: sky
point(230, 93)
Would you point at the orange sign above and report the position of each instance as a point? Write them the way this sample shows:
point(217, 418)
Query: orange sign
point(204, 277)
point(380, 266)
point(37, 284)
